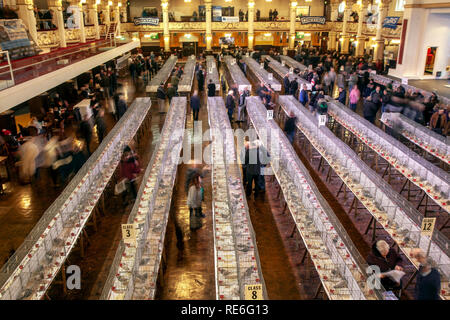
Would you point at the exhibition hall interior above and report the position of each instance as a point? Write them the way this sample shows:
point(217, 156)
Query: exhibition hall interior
point(248, 150)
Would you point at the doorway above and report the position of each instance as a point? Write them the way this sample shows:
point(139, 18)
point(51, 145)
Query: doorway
point(189, 48)
point(429, 60)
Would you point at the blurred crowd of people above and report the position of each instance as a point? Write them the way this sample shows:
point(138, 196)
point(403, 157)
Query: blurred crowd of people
point(61, 137)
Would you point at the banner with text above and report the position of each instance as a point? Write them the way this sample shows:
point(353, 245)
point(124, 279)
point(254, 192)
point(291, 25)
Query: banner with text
point(312, 20)
point(146, 21)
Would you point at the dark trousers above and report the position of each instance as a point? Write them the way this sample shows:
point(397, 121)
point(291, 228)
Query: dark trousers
point(250, 179)
point(371, 119)
point(88, 145)
point(195, 114)
point(353, 106)
point(230, 114)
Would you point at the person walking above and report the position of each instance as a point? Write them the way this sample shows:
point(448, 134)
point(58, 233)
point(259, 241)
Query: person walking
point(289, 126)
point(200, 79)
point(194, 201)
point(101, 125)
point(195, 105)
point(286, 83)
point(121, 106)
point(354, 98)
point(161, 96)
point(86, 132)
point(241, 106)
point(230, 105)
point(211, 88)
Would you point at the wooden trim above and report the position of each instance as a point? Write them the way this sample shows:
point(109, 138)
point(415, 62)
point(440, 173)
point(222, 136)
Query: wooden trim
point(402, 41)
point(428, 5)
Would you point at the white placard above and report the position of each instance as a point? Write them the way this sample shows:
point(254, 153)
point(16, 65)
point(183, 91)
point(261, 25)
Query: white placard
point(405, 81)
point(427, 226)
point(291, 70)
point(270, 76)
point(322, 120)
point(192, 56)
point(247, 54)
point(269, 115)
point(261, 65)
point(233, 61)
point(129, 233)
point(210, 70)
point(283, 63)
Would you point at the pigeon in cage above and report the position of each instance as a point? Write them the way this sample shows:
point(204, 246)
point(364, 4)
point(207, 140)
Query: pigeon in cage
point(144, 261)
point(340, 285)
point(49, 256)
point(248, 272)
point(225, 272)
point(403, 232)
point(26, 294)
point(242, 247)
point(141, 277)
point(122, 279)
point(58, 242)
point(367, 194)
point(378, 206)
point(335, 239)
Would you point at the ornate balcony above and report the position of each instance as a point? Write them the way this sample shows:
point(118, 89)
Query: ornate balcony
point(277, 26)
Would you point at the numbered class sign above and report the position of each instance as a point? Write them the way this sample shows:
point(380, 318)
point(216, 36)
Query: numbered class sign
point(283, 63)
point(247, 54)
point(270, 76)
point(253, 292)
point(322, 120)
point(261, 65)
point(128, 233)
point(210, 70)
point(233, 61)
point(269, 115)
point(427, 226)
point(291, 70)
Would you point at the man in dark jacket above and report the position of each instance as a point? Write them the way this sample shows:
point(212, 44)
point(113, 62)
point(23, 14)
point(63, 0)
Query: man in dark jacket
point(230, 105)
point(86, 132)
point(253, 168)
point(161, 96)
point(293, 87)
point(200, 79)
point(428, 281)
point(386, 259)
point(211, 88)
point(101, 125)
point(289, 126)
point(342, 96)
point(370, 110)
point(286, 83)
point(121, 106)
point(195, 105)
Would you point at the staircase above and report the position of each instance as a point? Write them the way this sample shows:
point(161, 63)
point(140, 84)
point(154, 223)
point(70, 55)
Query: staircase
point(112, 31)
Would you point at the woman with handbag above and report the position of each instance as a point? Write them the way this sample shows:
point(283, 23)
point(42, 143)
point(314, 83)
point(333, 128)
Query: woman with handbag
point(194, 201)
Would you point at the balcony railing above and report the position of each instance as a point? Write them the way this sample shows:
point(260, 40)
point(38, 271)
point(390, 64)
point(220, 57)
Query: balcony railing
point(277, 26)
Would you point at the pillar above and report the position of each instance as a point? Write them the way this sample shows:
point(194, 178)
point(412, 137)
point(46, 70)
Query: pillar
point(383, 7)
point(208, 7)
point(292, 25)
point(251, 20)
point(345, 35)
point(332, 34)
point(93, 14)
point(107, 13)
point(56, 6)
point(117, 16)
point(82, 30)
point(165, 10)
point(359, 37)
point(26, 13)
